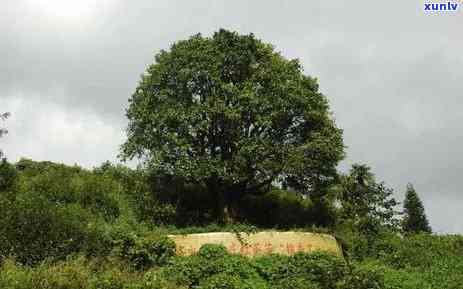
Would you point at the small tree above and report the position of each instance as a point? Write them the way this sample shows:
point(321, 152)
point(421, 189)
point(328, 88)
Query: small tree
point(415, 220)
point(368, 205)
point(8, 175)
point(3, 116)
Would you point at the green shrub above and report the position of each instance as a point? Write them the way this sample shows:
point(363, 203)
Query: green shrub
point(415, 261)
point(445, 272)
point(66, 275)
point(33, 229)
point(184, 271)
point(32, 168)
point(403, 279)
point(78, 273)
point(69, 185)
point(97, 193)
point(212, 251)
point(155, 280)
point(12, 277)
point(296, 283)
point(365, 276)
point(213, 265)
point(320, 267)
point(317, 268)
point(212, 260)
point(232, 265)
point(111, 279)
point(226, 281)
point(272, 267)
point(8, 175)
point(422, 250)
point(144, 251)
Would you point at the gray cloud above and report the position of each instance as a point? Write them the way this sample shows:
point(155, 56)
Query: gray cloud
point(393, 75)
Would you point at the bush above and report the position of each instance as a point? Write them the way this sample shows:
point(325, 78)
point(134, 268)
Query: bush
point(422, 250)
point(403, 279)
point(97, 193)
point(143, 252)
point(67, 275)
point(296, 283)
point(111, 279)
point(64, 187)
point(323, 268)
point(213, 266)
point(79, 273)
point(225, 281)
point(209, 262)
point(184, 271)
point(365, 276)
point(318, 268)
point(33, 229)
point(212, 251)
point(272, 267)
point(154, 280)
point(8, 176)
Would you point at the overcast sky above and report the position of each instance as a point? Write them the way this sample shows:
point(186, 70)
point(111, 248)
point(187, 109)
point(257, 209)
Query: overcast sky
point(393, 75)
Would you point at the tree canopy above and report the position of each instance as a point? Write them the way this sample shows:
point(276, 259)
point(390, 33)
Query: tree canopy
point(229, 112)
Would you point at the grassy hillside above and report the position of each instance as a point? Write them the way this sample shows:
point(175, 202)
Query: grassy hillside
point(68, 227)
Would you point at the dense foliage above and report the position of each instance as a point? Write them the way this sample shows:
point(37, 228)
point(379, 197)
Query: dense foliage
point(68, 227)
point(227, 126)
point(422, 261)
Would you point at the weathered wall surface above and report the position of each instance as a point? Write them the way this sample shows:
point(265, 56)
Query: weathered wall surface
point(286, 243)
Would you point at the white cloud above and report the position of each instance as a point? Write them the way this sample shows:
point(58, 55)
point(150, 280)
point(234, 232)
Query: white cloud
point(48, 131)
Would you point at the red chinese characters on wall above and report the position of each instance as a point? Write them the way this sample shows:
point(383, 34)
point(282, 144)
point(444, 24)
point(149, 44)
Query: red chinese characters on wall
point(256, 249)
point(233, 248)
point(268, 248)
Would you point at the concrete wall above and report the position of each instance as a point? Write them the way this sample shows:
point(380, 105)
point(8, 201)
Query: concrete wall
point(286, 243)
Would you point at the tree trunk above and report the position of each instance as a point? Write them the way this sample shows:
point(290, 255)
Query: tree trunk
point(224, 212)
point(224, 209)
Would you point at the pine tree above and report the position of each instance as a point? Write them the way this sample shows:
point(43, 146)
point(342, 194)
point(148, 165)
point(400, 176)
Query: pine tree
point(415, 220)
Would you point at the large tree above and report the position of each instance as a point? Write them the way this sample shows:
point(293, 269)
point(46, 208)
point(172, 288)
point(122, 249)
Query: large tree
point(415, 220)
point(232, 114)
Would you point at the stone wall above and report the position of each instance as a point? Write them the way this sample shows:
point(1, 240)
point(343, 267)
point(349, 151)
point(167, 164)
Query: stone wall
point(286, 243)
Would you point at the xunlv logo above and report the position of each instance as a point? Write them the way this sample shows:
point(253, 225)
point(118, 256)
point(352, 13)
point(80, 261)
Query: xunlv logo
point(449, 6)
